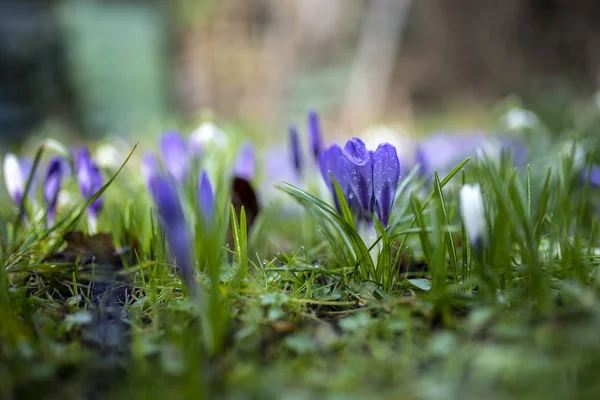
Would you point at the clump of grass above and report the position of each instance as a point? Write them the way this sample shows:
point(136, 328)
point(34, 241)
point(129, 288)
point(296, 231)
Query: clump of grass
point(422, 309)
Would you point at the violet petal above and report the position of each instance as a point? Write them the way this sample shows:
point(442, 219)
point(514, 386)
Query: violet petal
point(174, 155)
point(84, 172)
point(295, 148)
point(54, 175)
point(359, 166)
point(172, 219)
point(386, 174)
point(314, 133)
point(245, 166)
point(206, 197)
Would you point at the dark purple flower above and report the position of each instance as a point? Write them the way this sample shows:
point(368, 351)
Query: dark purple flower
point(173, 222)
point(150, 167)
point(174, 155)
point(206, 198)
point(246, 163)
point(54, 175)
point(359, 166)
point(314, 133)
point(386, 174)
point(295, 147)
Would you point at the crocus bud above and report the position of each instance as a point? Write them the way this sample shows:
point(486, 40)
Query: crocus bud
point(52, 183)
point(96, 206)
point(295, 147)
point(174, 155)
point(386, 174)
point(473, 214)
point(84, 172)
point(359, 165)
point(13, 177)
point(206, 198)
point(90, 182)
point(172, 219)
point(314, 133)
point(246, 163)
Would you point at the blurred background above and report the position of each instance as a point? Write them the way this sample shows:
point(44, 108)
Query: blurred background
point(97, 67)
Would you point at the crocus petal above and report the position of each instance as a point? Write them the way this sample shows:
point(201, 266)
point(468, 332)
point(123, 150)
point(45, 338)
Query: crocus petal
point(386, 174)
point(473, 214)
point(52, 183)
point(96, 185)
point(295, 147)
point(150, 167)
point(13, 177)
point(331, 161)
point(84, 172)
point(314, 133)
point(172, 218)
point(359, 165)
point(174, 155)
point(594, 175)
point(206, 197)
point(246, 163)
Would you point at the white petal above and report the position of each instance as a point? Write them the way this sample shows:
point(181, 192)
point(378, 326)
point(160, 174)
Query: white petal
point(207, 134)
point(108, 156)
point(472, 212)
point(13, 176)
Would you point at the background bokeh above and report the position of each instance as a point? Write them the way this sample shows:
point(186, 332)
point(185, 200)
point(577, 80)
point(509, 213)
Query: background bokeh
point(97, 67)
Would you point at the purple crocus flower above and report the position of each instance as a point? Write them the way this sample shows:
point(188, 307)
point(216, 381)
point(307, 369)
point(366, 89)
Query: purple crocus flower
point(84, 172)
point(174, 155)
point(246, 163)
point(359, 166)
point(594, 175)
point(54, 175)
point(90, 182)
point(96, 206)
point(386, 174)
point(295, 147)
point(150, 167)
point(368, 179)
point(206, 198)
point(173, 222)
point(314, 133)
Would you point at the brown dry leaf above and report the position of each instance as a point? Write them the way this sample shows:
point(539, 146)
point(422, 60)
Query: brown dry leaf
point(99, 246)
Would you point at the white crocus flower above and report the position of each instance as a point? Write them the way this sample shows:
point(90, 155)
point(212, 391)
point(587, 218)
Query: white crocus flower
point(519, 118)
point(473, 213)
point(108, 156)
point(13, 177)
point(207, 134)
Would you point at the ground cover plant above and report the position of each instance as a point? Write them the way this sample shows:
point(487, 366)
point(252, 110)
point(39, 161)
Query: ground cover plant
point(203, 265)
